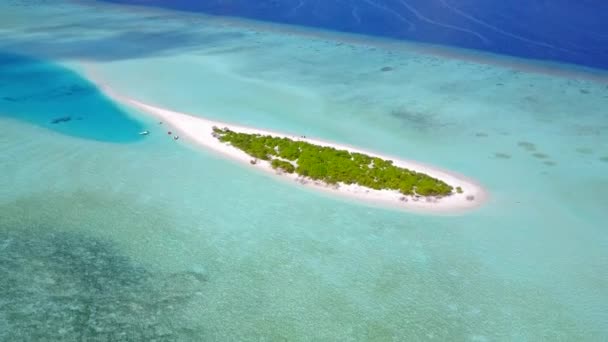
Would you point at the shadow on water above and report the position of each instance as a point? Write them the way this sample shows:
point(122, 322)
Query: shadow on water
point(60, 283)
point(56, 98)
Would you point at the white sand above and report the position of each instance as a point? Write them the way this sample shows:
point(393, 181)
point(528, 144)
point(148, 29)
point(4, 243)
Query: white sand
point(198, 130)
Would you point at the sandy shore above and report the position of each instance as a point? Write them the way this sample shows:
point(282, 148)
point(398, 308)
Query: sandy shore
point(198, 130)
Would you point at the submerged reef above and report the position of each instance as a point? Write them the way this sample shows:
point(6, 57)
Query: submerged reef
point(526, 145)
point(69, 286)
point(584, 150)
point(540, 155)
point(501, 155)
point(60, 281)
point(423, 121)
point(61, 119)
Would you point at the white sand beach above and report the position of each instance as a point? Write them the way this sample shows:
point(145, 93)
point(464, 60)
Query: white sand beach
point(197, 130)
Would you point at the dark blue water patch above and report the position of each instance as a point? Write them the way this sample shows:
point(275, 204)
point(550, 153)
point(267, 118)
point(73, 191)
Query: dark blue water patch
point(54, 97)
point(559, 30)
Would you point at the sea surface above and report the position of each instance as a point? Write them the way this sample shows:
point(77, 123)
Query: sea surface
point(557, 30)
point(109, 235)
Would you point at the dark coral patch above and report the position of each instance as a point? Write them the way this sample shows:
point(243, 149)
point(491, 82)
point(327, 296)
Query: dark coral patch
point(540, 155)
point(527, 145)
point(584, 150)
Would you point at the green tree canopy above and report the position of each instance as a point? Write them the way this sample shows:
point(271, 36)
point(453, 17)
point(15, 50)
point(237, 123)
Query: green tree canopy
point(333, 166)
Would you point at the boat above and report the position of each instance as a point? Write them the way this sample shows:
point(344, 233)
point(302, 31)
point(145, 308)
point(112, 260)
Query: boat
point(144, 132)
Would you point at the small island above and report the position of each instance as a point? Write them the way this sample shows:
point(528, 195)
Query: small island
point(333, 166)
point(340, 170)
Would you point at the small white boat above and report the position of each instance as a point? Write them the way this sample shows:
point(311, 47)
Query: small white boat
point(144, 132)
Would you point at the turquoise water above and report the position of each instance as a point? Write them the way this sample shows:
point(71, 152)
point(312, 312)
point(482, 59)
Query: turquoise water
point(59, 99)
point(102, 239)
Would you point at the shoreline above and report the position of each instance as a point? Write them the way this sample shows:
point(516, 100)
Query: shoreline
point(198, 130)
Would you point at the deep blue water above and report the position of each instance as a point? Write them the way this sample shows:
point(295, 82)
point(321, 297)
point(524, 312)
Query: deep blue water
point(557, 30)
point(51, 96)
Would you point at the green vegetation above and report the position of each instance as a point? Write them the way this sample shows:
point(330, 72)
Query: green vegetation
point(333, 166)
point(283, 165)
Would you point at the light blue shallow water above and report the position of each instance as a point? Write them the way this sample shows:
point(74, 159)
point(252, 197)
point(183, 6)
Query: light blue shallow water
point(103, 239)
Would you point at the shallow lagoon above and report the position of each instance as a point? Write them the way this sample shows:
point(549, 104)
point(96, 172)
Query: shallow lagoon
point(57, 98)
point(205, 248)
